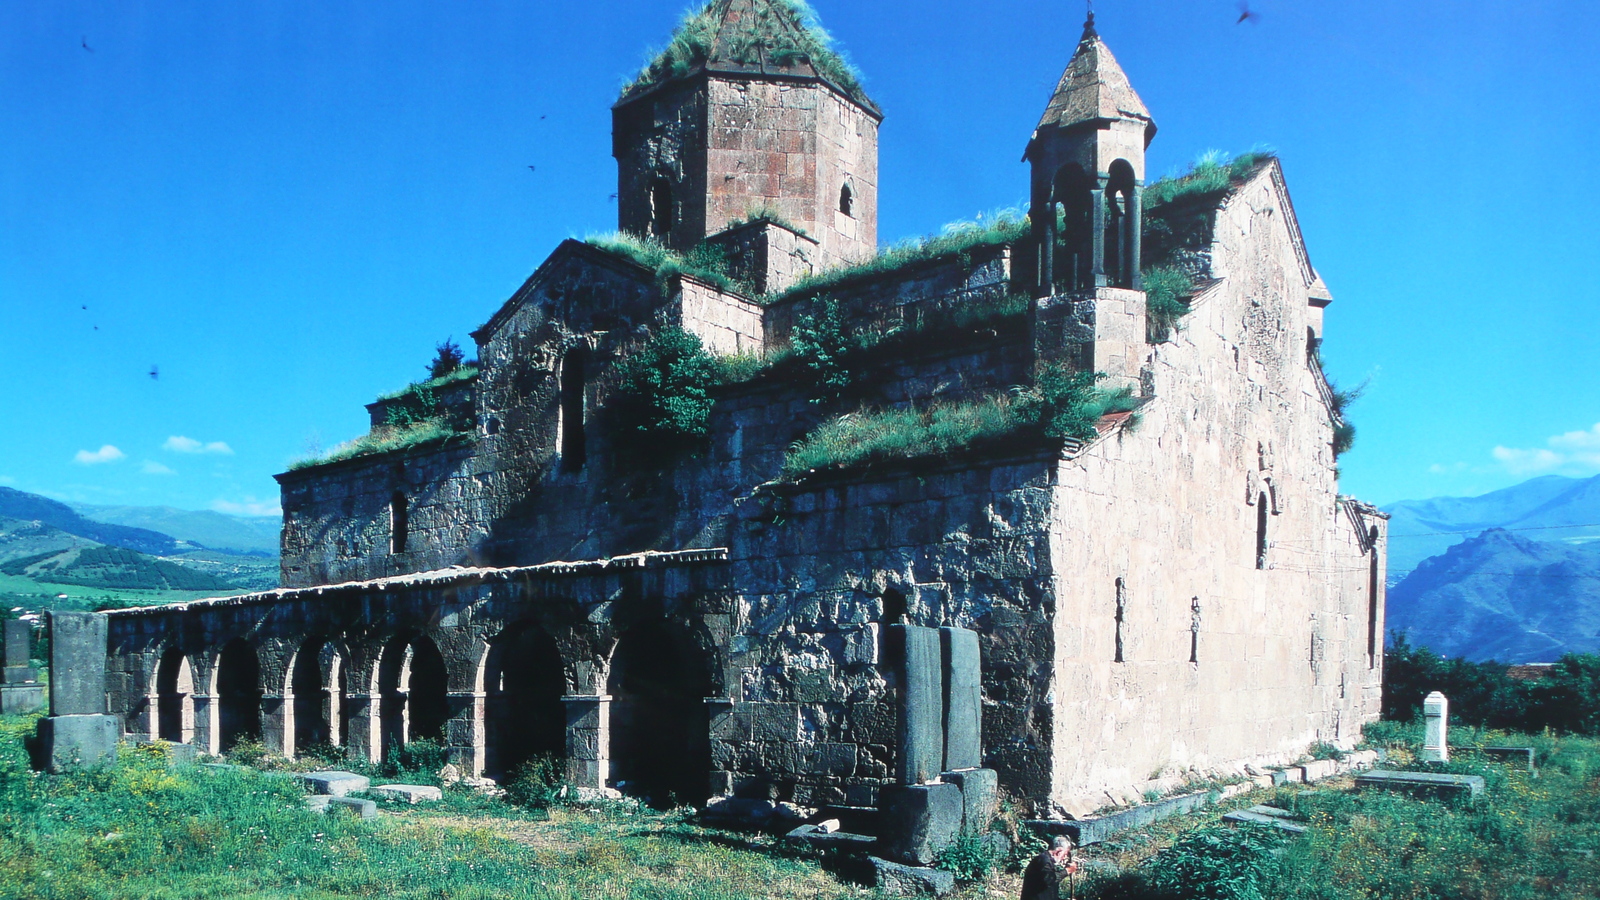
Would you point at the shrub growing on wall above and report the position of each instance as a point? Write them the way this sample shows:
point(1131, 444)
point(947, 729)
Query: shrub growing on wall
point(664, 391)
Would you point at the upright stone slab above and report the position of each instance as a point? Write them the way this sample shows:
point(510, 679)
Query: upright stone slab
point(77, 663)
point(78, 733)
point(15, 648)
point(921, 729)
point(963, 699)
point(1436, 714)
point(20, 690)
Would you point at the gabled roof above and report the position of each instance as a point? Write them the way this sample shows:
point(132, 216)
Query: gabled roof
point(750, 37)
point(1094, 88)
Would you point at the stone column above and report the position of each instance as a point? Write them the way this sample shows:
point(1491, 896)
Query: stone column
point(588, 739)
point(466, 732)
point(1436, 715)
point(78, 731)
point(365, 725)
point(277, 724)
point(1136, 237)
point(1097, 205)
point(207, 731)
point(20, 690)
point(920, 755)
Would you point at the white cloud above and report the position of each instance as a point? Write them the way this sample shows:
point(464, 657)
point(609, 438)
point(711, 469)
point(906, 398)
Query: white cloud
point(249, 507)
point(151, 467)
point(1573, 453)
point(180, 444)
point(106, 454)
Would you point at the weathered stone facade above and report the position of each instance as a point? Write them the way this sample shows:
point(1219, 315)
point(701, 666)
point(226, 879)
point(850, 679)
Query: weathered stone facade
point(1186, 592)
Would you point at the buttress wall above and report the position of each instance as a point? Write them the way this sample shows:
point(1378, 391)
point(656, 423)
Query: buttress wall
point(1175, 652)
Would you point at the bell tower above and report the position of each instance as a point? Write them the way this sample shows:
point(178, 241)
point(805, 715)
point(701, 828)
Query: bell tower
point(1087, 158)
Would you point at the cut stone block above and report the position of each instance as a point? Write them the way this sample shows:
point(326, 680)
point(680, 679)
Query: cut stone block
point(1092, 831)
point(72, 741)
point(1245, 817)
point(918, 821)
point(337, 784)
point(177, 754)
point(318, 802)
point(963, 702)
point(1436, 718)
point(77, 663)
point(1318, 769)
point(812, 836)
point(14, 648)
point(365, 809)
point(980, 797)
point(900, 880)
point(1279, 777)
point(1519, 755)
point(410, 793)
point(921, 730)
point(1423, 784)
point(19, 675)
point(21, 699)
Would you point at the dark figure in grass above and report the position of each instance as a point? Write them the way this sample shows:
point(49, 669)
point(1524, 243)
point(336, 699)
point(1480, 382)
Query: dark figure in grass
point(1042, 879)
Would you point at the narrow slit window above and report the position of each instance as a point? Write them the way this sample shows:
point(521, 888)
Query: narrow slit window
point(661, 217)
point(1262, 511)
point(573, 409)
point(399, 523)
point(1122, 615)
point(894, 607)
point(847, 201)
point(1194, 630)
point(1372, 602)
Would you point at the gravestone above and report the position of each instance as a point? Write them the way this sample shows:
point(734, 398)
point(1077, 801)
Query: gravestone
point(963, 702)
point(1436, 714)
point(77, 732)
point(921, 731)
point(1423, 784)
point(20, 690)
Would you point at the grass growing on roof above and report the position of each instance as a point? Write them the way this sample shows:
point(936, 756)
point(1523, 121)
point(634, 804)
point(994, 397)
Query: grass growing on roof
point(1214, 172)
point(783, 31)
point(384, 439)
point(705, 262)
point(464, 373)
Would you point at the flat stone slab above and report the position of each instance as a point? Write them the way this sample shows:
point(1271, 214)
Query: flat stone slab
point(1517, 755)
point(336, 784)
point(318, 802)
point(899, 880)
point(813, 836)
point(366, 809)
point(1094, 830)
point(410, 793)
point(21, 699)
point(1245, 817)
point(1422, 783)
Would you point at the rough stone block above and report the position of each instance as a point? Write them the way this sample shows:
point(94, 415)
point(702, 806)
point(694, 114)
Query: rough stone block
point(813, 836)
point(21, 699)
point(19, 675)
point(318, 802)
point(899, 880)
point(14, 649)
point(1094, 830)
point(917, 822)
point(921, 729)
point(410, 793)
point(963, 701)
point(980, 797)
point(1423, 784)
point(1318, 769)
point(77, 663)
point(337, 784)
point(365, 809)
point(70, 741)
point(1245, 817)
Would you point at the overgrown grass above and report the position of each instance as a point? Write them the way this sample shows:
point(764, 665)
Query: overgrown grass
point(1214, 172)
point(1059, 405)
point(783, 32)
point(955, 239)
point(1166, 288)
point(385, 439)
point(764, 213)
point(143, 830)
point(706, 262)
point(464, 373)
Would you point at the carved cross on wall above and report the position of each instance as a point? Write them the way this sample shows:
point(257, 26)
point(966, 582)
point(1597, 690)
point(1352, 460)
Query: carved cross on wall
point(1194, 630)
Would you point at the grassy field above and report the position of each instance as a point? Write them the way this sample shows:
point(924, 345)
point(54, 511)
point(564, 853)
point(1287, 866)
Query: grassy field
point(33, 595)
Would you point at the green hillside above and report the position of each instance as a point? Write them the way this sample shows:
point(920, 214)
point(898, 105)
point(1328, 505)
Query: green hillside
point(112, 567)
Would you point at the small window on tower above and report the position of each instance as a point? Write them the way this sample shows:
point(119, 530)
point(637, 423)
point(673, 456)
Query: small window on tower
point(399, 523)
point(661, 220)
point(574, 409)
point(847, 201)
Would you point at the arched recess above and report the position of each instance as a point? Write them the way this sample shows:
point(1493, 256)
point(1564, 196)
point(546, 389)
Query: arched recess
point(1072, 231)
point(659, 749)
point(662, 215)
point(1122, 223)
point(411, 686)
point(574, 408)
point(239, 693)
point(175, 698)
point(523, 685)
point(320, 686)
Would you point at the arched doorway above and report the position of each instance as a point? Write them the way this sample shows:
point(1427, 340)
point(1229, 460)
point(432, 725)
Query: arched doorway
point(411, 683)
point(660, 750)
point(175, 698)
point(238, 694)
point(523, 685)
point(318, 684)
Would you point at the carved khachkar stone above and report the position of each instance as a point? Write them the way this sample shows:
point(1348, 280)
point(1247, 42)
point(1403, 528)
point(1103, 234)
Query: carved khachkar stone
point(20, 690)
point(78, 732)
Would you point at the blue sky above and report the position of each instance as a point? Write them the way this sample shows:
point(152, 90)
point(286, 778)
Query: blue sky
point(284, 205)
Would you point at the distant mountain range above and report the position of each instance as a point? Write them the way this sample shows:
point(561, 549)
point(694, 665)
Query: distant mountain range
point(1502, 596)
point(21, 505)
point(214, 530)
point(1551, 508)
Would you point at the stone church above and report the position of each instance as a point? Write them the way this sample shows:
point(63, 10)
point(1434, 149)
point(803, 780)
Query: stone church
point(1180, 590)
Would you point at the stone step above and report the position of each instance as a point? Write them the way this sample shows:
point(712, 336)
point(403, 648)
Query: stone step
point(335, 783)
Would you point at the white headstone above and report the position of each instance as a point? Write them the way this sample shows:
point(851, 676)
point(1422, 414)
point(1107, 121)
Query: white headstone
point(1436, 714)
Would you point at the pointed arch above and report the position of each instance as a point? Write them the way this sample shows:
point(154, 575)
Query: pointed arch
point(660, 746)
point(239, 692)
point(175, 697)
point(413, 703)
point(318, 681)
point(1070, 224)
point(1122, 226)
point(523, 683)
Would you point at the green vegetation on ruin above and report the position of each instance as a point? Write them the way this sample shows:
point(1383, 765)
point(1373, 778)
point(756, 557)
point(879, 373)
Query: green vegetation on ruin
point(463, 373)
point(387, 439)
point(706, 262)
point(783, 32)
point(663, 398)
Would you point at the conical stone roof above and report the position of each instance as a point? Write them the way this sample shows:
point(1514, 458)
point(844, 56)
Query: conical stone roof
point(751, 37)
point(1094, 88)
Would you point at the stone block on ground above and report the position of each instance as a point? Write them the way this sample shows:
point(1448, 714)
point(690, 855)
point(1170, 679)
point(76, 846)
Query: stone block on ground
point(963, 703)
point(1318, 769)
point(177, 754)
point(72, 741)
point(1423, 784)
point(21, 699)
point(1521, 756)
point(921, 729)
point(410, 793)
point(918, 821)
point(318, 802)
point(19, 675)
point(813, 836)
point(1094, 830)
point(77, 663)
point(337, 784)
point(1245, 817)
point(980, 797)
point(900, 880)
point(365, 809)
